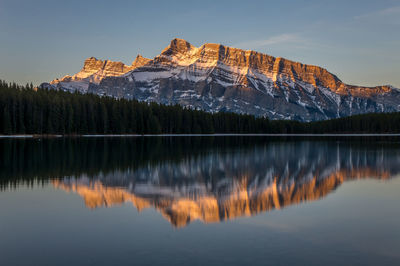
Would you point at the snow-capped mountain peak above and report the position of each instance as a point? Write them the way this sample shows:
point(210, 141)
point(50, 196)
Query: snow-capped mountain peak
point(214, 78)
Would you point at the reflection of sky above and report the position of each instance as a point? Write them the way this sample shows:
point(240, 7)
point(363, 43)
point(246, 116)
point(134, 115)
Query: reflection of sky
point(356, 223)
point(357, 40)
point(361, 214)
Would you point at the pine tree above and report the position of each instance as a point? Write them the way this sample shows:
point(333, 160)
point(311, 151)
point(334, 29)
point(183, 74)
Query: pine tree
point(7, 129)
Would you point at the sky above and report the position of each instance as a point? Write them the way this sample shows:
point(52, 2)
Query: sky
point(359, 41)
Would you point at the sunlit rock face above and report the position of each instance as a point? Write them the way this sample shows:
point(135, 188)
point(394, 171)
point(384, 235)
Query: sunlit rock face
point(216, 78)
point(222, 186)
point(93, 72)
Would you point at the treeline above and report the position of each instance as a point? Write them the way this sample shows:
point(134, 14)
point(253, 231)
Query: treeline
point(37, 160)
point(365, 123)
point(31, 158)
point(24, 110)
point(28, 111)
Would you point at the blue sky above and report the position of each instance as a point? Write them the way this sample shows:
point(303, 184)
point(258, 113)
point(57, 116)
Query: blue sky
point(44, 39)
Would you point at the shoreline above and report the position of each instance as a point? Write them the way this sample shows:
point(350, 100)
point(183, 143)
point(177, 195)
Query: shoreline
point(201, 135)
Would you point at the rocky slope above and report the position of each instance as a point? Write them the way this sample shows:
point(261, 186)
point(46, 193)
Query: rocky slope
point(217, 78)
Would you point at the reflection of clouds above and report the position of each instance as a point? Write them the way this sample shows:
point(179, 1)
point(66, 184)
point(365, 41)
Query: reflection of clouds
point(226, 185)
point(274, 225)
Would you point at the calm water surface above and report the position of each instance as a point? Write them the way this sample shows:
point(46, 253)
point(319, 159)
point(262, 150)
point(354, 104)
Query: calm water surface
point(200, 201)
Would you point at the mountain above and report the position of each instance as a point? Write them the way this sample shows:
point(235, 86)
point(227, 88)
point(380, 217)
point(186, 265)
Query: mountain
point(217, 78)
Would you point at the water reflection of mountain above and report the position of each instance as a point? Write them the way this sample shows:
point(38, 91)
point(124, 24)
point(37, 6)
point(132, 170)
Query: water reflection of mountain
point(227, 183)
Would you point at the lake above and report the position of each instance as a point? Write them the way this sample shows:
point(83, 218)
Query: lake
point(222, 200)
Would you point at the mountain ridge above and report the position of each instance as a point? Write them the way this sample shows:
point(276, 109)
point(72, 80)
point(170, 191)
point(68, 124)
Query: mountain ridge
point(215, 78)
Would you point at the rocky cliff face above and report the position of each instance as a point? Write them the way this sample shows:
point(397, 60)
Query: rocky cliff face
point(93, 72)
point(217, 78)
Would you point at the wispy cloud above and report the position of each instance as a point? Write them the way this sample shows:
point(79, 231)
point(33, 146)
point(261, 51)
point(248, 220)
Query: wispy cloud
point(387, 15)
point(286, 38)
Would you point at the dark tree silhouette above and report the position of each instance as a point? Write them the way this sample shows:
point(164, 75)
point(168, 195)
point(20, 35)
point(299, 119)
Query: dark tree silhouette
point(25, 110)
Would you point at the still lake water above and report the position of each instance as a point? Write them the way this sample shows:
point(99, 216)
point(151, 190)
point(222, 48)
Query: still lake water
point(200, 201)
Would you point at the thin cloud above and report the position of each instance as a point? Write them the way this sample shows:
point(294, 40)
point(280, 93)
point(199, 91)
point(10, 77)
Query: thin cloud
point(387, 15)
point(274, 40)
